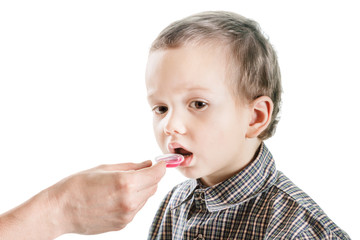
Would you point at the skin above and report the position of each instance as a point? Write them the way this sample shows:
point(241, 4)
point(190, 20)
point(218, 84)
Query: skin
point(102, 199)
point(193, 106)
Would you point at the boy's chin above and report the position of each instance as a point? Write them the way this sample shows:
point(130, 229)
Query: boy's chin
point(189, 172)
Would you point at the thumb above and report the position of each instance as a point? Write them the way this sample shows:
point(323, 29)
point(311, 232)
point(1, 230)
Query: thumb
point(126, 166)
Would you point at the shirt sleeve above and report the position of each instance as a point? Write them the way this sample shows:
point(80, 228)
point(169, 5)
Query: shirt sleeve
point(311, 234)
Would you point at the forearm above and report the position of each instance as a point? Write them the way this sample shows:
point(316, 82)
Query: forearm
point(36, 219)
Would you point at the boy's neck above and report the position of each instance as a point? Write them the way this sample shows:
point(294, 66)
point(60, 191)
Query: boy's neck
point(251, 149)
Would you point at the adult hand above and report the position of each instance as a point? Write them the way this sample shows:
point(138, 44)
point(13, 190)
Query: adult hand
point(102, 199)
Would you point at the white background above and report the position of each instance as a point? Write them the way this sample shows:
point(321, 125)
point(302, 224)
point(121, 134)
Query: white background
point(72, 95)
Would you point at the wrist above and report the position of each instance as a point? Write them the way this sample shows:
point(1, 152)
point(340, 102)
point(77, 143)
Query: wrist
point(54, 198)
point(47, 215)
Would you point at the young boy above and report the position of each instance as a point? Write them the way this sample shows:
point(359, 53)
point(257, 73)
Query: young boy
point(213, 83)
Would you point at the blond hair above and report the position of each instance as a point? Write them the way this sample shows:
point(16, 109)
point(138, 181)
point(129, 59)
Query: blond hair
point(253, 57)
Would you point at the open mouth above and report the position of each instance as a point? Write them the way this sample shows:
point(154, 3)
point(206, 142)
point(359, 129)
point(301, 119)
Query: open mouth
point(177, 148)
point(183, 152)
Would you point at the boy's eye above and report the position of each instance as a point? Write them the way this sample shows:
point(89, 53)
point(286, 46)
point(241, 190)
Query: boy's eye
point(198, 105)
point(160, 109)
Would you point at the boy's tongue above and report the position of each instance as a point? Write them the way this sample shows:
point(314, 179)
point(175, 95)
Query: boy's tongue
point(182, 151)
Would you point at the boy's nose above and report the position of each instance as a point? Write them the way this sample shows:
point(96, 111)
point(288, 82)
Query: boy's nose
point(174, 125)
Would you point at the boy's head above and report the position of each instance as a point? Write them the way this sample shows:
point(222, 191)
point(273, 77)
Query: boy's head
point(252, 58)
point(214, 85)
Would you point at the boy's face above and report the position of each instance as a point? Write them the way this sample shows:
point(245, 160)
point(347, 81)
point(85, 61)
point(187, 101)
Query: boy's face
point(195, 113)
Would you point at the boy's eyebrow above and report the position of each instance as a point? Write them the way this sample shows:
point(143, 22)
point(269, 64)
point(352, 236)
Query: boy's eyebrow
point(199, 88)
point(150, 95)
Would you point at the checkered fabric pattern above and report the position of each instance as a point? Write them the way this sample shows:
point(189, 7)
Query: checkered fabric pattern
point(257, 203)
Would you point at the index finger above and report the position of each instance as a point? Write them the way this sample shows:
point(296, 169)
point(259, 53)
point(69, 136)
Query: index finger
point(125, 166)
point(150, 176)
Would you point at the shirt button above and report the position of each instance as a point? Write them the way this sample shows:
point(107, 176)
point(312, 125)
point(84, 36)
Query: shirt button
point(199, 236)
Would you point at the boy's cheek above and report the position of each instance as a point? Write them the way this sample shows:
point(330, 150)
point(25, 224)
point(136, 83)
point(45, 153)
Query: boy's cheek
point(161, 140)
point(157, 128)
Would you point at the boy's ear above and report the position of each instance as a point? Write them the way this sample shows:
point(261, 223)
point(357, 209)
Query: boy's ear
point(261, 111)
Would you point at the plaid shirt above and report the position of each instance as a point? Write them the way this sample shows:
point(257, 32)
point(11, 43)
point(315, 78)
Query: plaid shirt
point(257, 203)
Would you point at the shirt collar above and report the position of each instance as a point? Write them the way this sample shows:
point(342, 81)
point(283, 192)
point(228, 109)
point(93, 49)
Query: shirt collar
point(258, 176)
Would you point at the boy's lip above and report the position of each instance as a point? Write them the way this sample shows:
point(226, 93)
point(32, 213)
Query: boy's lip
point(174, 145)
point(187, 161)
